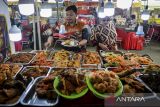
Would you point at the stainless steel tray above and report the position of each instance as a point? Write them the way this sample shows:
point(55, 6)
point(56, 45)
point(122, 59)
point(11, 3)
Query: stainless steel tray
point(8, 59)
point(25, 68)
point(148, 95)
point(140, 79)
point(52, 54)
point(101, 52)
point(18, 101)
point(125, 73)
point(115, 52)
point(92, 65)
point(37, 51)
point(87, 71)
point(30, 98)
point(21, 66)
point(56, 68)
point(38, 63)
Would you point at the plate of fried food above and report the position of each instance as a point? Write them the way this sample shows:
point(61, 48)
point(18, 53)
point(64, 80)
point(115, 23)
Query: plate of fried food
point(64, 58)
point(104, 84)
point(21, 58)
point(35, 71)
point(69, 43)
point(142, 60)
point(91, 59)
point(128, 55)
point(106, 53)
point(134, 87)
point(113, 60)
point(153, 68)
point(41, 55)
point(71, 84)
point(9, 70)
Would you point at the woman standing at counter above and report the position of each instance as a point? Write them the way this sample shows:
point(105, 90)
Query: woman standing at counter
point(104, 36)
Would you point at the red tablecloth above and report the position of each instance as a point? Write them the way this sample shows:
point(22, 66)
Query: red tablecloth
point(130, 41)
point(140, 42)
point(18, 46)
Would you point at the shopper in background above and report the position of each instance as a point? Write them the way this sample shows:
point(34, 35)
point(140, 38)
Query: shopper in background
point(73, 27)
point(145, 27)
point(104, 35)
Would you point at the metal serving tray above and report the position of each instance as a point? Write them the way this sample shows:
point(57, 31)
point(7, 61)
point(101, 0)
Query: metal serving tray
point(151, 88)
point(101, 52)
point(30, 98)
point(92, 65)
point(53, 52)
point(109, 51)
point(25, 68)
point(37, 51)
point(125, 72)
point(149, 95)
point(21, 66)
point(87, 71)
point(8, 59)
point(33, 63)
point(18, 101)
point(54, 68)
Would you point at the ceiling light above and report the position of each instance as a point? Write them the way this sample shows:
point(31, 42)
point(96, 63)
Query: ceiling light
point(46, 12)
point(101, 12)
point(26, 7)
point(124, 4)
point(15, 33)
point(145, 14)
point(109, 8)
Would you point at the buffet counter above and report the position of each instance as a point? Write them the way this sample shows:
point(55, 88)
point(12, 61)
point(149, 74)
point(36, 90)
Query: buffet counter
point(60, 77)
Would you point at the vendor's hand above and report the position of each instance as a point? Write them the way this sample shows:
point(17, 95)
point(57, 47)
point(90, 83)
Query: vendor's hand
point(47, 44)
point(102, 46)
point(79, 45)
point(77, 34)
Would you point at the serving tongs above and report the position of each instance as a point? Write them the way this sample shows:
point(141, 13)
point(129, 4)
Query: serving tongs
point(71, 56)
point(48, 50)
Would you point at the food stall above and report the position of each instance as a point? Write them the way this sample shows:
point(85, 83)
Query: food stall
point(61, 77)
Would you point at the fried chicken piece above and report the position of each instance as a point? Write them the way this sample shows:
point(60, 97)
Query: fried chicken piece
point(3, 98)
point(100, 87)
point(13, 100)
point(128, 89)
point(11, 92)
point(111, 89)
point(67, 86)
point(2, 77)
point(80, 89)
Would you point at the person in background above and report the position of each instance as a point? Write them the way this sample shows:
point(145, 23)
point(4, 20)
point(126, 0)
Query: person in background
point(47, 30)
point(104, 36)
point(73, 27)
point(145, 27)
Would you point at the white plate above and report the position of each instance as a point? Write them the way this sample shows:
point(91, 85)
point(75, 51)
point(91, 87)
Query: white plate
point(74, 44)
